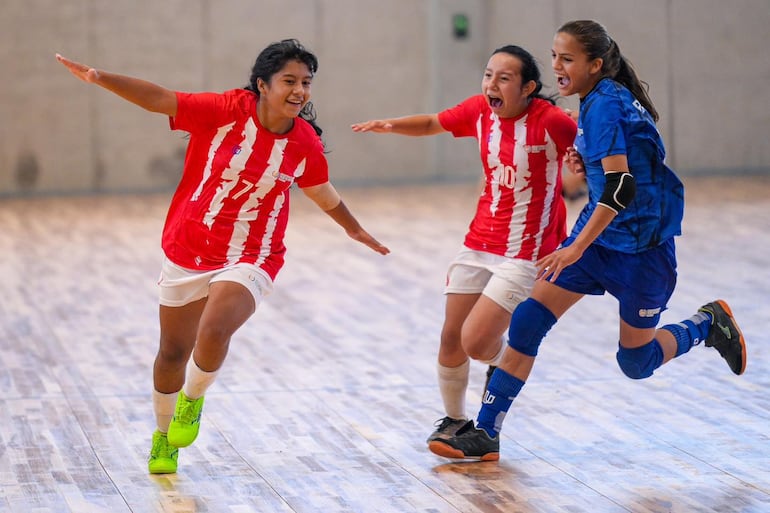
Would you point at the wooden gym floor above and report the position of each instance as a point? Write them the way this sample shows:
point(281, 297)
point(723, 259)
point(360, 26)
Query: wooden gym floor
point(329, 391)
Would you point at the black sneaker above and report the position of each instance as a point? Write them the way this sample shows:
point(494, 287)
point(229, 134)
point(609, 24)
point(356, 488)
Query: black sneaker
point(490, 371)
point(725, 336)
point(446, 428)
point(469, 443)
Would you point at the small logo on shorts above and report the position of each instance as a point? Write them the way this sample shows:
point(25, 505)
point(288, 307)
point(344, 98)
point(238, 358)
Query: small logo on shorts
point(488, 398)
point(252, 277)
point(649, 312)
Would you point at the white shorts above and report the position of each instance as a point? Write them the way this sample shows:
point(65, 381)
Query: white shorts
point(506, 281)
point(180, 286)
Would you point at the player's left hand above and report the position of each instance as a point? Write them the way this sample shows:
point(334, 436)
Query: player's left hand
point(549, 267)
point(572, 113)
point(574, 161)
point(363, 237)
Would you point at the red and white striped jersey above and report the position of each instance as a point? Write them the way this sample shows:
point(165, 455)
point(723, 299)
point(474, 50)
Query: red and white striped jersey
point(232, 202)
point(520, 213)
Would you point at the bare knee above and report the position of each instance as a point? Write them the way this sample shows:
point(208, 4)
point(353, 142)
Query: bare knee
point(450, 351)
point(212, 346)
point(478, 347)
point(174, 351)
point(214, 334)
point(450, 334)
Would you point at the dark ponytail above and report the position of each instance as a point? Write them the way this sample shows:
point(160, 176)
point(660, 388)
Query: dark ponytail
point(598, 44)
point(272, 59)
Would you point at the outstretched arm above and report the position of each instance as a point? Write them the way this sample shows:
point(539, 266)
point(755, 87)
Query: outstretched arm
point(145, 94)
point(328, 199)
point(420, 124)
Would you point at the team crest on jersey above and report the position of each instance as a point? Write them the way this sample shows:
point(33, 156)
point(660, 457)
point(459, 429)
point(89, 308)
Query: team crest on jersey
point(236, 150)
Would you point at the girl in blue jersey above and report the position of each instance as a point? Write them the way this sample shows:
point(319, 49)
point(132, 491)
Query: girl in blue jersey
point(622, 242)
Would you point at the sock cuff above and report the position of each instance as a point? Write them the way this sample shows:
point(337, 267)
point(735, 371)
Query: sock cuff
point(163, 403)
point(460, 372)
point(197, 380)
point(163, 407)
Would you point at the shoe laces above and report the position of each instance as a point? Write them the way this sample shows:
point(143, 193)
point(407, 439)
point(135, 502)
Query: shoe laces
point(189, 412)
point(468, 426)
point(443, 423)
point(161, 448)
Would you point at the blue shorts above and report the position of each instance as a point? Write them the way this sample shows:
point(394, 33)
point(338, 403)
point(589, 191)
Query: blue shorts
point(641, 282)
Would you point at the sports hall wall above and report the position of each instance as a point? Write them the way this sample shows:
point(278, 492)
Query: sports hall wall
point(706, 61)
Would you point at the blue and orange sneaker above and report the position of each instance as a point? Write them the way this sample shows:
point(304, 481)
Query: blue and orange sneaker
point(725, 336)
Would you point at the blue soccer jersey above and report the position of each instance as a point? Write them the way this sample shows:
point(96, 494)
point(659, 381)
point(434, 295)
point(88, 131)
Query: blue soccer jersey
point(613, 122)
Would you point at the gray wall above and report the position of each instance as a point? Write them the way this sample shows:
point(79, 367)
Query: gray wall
point(706, 62)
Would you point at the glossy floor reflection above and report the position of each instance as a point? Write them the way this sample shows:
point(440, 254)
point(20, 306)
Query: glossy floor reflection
point(329, 391)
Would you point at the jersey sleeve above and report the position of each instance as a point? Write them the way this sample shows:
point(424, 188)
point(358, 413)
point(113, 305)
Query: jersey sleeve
point(562, 129)
point(202, 111)
point(461, 119)
point(316, 167)
point(603, 129)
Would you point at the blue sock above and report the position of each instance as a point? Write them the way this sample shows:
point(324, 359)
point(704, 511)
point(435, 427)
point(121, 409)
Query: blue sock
point(690, 332)
point(502, 390)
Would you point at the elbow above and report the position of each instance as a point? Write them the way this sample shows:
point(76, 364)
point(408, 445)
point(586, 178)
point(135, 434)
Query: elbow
point(164, 103)
point(329, 206)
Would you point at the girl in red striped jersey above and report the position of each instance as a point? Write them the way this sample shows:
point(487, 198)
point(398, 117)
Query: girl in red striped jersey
point(520, 215)
point(223, 237)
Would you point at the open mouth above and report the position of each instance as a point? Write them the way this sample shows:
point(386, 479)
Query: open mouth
point(495, 103)
point(295, 104)
point(562, 81)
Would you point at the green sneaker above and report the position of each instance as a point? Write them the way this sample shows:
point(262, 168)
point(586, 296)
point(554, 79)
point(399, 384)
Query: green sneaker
point(163, 457)
point(184, 427)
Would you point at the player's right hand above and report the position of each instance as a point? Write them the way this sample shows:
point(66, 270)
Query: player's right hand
point(83, 72)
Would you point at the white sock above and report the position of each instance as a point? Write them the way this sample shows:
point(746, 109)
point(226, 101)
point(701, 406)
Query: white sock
point(495, 360)
point(453, 383)
point(196, 380)
point(163, 406)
